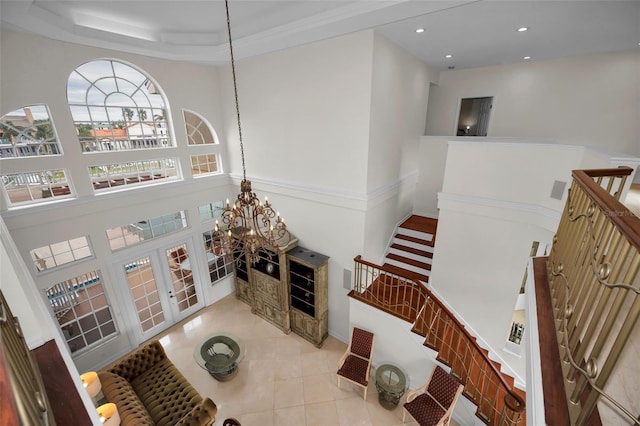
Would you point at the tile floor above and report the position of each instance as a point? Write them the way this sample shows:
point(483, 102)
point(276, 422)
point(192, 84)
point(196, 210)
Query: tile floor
point(283, 380)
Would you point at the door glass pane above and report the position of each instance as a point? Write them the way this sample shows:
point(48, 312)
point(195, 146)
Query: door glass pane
point(182, 276)
point(145, 293)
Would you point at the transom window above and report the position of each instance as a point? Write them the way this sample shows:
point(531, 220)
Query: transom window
point(211, 211)
point(135, 233)
point(53, 255)
point(37, 186)
point(28, 132)
point(203, 164)
point(116, 108)
point(144, 172)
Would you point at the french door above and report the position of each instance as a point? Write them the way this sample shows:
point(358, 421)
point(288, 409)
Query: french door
point(159, 287)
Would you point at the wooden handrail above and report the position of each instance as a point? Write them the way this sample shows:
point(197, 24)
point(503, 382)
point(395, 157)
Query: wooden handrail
point(613, 171)
point(512, 400)
point(411, 276)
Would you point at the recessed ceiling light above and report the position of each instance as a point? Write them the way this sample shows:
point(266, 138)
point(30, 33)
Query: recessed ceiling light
point(420, 30)
point(526, 57)
point(448, 56)
point(522, 29)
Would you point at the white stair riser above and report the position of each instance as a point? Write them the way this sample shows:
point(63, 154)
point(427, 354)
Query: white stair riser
point(411, 244)
point(415, 234)
point(410, 255)
point(408, 267)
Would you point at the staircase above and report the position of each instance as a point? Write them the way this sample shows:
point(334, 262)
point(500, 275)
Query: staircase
point(411, 250)
point(407, 261)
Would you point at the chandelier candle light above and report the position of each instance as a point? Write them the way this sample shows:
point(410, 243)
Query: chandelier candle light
point(249, 224)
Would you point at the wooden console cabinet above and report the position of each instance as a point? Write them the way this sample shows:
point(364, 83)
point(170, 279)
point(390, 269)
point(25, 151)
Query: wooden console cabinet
point(288, 288)
point(263, 285)
point(308, 295)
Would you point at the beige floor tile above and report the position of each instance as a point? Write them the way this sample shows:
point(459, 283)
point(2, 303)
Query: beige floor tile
point(290, 416)
point(381, 416)
point(321, 414)
point(318, 388)
point(288, 393)
point(353, 412)
point(260, 398)
point(288, 367)
point(258, 419)
point(314, 363)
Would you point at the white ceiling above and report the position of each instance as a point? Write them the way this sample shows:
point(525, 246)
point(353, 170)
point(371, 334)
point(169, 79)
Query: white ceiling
point(476, 33)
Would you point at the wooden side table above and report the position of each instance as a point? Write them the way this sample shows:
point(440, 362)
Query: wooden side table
point(391, 383)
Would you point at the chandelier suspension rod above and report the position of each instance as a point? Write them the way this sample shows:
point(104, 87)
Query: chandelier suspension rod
point(235, 91)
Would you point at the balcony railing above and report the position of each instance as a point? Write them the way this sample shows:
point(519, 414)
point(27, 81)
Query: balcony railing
point(407, 298)
point(594, 281)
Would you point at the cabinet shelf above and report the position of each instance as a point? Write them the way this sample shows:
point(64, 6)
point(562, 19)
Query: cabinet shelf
point(307, 282)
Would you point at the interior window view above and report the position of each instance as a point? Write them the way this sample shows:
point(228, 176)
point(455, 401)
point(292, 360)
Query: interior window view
point(319, 213)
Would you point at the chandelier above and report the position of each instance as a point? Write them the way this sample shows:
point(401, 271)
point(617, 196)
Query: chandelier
point(248, 223)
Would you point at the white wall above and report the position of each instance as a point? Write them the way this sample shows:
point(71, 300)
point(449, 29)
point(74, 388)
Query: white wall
point(399, 96)
point(495, 201)
point(586, 100)
point(305, 121)
point(305, 114)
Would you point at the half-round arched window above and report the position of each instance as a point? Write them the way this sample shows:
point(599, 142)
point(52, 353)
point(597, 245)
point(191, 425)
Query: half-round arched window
point(115, 107)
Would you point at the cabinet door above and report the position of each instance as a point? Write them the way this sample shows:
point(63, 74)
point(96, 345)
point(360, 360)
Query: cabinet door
point(303, 325)
point(243, 291)
point(272, 314)
point(267, 288)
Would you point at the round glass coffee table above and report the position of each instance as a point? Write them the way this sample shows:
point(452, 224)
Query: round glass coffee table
point(220, 354)
point(391, 383)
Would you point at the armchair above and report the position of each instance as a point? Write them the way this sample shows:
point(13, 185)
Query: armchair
point(355, 364)
point(434, 406)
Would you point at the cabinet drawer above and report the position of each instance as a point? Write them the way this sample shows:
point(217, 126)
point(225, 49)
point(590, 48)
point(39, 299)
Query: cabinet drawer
point(267, 288)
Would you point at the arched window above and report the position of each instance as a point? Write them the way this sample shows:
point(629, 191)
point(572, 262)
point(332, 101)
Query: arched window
point(200, 133)
point(115, 107)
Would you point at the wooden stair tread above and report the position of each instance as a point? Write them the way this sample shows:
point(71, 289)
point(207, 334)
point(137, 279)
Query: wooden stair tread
point(405, 273)
point(420, 223)
point(409, 261)
point(412, 250)
point(422, 241)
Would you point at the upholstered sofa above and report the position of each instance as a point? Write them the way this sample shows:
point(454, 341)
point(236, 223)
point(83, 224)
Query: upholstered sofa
point(149, 390)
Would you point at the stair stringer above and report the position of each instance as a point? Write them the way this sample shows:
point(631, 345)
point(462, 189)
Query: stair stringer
point(396, 343)
point(518, 381)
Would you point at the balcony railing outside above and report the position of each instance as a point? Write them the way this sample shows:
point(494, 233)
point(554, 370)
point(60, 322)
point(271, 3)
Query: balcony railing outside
point(595, 289)
point(498, 403)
